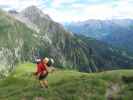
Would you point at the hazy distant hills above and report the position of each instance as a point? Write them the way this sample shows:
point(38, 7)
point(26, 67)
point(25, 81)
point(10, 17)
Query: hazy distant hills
point(118, 32)
point(31, 33)
point(101, 28)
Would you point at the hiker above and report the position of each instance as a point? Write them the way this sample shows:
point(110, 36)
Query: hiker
point(42, 72)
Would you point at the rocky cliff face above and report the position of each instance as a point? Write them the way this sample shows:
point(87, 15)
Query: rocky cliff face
point(16, 42)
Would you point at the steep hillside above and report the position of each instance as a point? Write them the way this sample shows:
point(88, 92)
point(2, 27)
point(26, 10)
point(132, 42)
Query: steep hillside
point(16, 41)
point(19, 42)
point(67, 49)
point(56, 42)
point(31, 33)
point(67, 85)
point(122, 40)
point(106, 56)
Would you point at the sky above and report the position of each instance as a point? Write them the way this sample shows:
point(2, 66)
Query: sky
point(76, 10)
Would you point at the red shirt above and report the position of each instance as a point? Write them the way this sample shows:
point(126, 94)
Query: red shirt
point(41, 67)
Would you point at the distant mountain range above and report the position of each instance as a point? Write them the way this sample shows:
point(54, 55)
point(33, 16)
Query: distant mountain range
point(30, 33)
point(117, 32)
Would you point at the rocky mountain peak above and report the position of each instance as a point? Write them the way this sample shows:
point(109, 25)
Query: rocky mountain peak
point(34, 11)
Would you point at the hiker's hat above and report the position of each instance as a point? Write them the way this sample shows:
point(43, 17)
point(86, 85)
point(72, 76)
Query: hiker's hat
point(46, 59)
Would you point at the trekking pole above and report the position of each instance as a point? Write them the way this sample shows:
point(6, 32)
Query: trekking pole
point(34, 79)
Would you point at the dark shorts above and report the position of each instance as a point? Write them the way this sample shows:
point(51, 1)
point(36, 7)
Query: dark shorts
point(42, 77)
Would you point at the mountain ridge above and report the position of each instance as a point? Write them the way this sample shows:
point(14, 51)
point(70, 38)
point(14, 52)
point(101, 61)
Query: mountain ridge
point(117, 32)
point(52, 40)
point(103, 25)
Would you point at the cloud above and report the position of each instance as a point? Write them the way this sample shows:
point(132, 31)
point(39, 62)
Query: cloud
point(76, 10)
point(59, 16)
point(92, 9)
point(18, 4)
point(58, 3)
point(78, 6)
point(99, 12)
point(124, 8)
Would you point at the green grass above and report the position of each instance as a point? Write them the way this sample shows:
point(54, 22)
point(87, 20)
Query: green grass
point(65, 85)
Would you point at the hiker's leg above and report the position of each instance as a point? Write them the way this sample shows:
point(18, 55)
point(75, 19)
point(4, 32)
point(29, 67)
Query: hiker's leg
point(45, 82)
point(41, 83)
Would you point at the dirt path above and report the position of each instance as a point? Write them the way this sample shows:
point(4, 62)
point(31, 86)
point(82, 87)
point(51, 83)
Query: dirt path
point(112, 91)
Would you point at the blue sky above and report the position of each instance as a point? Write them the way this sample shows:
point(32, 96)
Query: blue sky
point(76, 10)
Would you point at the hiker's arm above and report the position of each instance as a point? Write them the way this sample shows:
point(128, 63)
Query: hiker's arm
point(46, 68)
point(51, 69)
point(37, 71)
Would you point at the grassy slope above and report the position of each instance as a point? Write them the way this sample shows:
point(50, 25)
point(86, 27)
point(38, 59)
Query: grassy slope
point(65, 85)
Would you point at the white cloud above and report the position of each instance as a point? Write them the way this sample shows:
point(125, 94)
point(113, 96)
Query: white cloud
point(85, 13)
point(18, 4)
point(59, 16)
point(124, 8)
point(78, 5)
point(58, 3)
point(80, 12)
point(71, 10)
point(98, 11)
